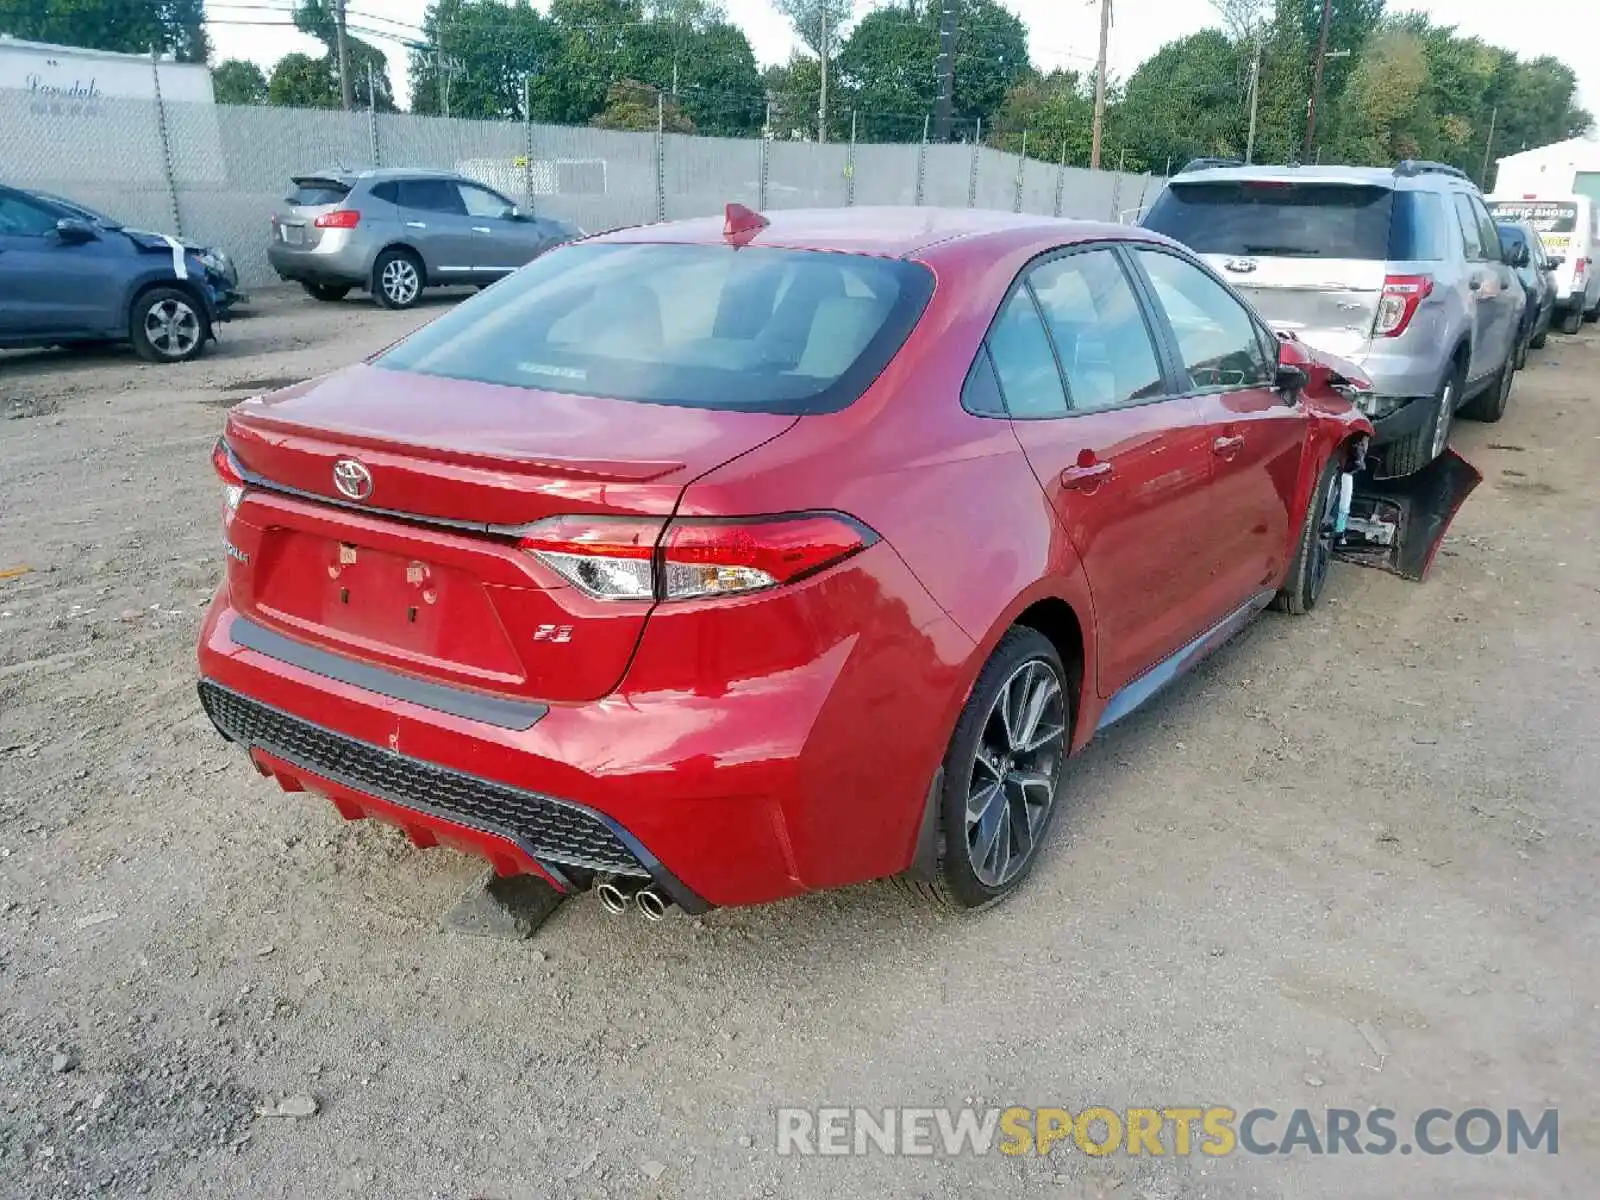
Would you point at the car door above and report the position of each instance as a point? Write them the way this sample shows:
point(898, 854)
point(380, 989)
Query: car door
point(503, 242)
point(1255, 434)
point(435, 221)
point(48, 285)
point(1124, 463)
point(1509, 297)
point(1485, 289)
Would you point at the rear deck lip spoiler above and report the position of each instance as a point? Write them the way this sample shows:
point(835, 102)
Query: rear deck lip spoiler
point(501, 712)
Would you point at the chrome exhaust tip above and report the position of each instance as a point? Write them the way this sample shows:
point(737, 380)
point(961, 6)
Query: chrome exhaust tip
point(652, 904)
point(612, 896)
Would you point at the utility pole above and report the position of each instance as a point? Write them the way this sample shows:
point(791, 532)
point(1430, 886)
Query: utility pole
point(1488, 148)
point(822, 99)
point(1100, 85)
point(1316, 81)
point(1255, 99)
point(346, 84)
point(945, 105)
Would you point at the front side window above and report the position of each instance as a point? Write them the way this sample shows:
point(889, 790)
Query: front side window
point(751, 329)
point(481, 202)
point(1218, 341)
point(23, 218)
point(1099, 331)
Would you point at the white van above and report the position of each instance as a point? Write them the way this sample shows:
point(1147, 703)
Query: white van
point(1569, 226)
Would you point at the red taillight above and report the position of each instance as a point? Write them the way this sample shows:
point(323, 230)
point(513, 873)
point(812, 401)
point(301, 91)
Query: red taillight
point(626, 559)
point(227, 470)
point(1579, 267)
point(1401, 296)
point(339, 218)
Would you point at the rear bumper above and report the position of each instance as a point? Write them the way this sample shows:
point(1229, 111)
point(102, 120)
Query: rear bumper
point(725, 775)
point(330, 261)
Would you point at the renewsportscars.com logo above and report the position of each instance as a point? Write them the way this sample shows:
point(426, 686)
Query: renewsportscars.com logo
point(1177, 1131)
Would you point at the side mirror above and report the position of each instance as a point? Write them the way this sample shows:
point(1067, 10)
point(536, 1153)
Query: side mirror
point(512, 213)
point(1290, 378)
point(75, 231)
point(1554, 261)
point(1519, 256)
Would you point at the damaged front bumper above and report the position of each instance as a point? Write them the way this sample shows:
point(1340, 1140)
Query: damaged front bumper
point(1397, 525)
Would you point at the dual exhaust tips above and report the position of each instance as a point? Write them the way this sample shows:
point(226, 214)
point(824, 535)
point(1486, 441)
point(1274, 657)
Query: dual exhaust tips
point(616, 895)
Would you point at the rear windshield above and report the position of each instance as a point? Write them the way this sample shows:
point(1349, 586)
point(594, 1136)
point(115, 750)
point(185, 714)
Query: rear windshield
point(311, 193)
point(751, 329)
point(1546, 216)
point(1300, 220)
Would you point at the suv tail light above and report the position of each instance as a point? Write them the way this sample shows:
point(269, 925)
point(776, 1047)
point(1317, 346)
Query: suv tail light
point(339, 218)
point(1401, 296)
point(613, 558)
point(227, 470)
point(1580, 267)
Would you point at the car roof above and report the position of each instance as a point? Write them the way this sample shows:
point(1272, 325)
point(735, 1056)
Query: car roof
point(348, 176)
point(902, 232)
point(1405, 176)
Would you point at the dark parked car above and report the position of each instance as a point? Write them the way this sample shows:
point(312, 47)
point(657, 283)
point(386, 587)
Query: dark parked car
point(395, 232)
point(67, 281)
point(219, 266)
point(1523, 249)
point(619, 573)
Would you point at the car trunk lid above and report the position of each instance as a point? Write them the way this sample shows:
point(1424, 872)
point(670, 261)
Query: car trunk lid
point(310, 197)
point(1329, 303)
point(418, 567)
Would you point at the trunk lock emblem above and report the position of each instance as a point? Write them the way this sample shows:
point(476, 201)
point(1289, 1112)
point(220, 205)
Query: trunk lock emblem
point(352, 479)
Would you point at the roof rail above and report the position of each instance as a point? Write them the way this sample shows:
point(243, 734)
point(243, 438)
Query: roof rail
point(1205, 164)
point(1420, 166)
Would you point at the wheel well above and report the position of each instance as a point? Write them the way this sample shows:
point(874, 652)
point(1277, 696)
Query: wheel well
point(1055, 619)
point(186, 286)
point(409, 252)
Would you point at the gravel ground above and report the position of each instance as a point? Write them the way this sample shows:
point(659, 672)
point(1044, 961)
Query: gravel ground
point(1349, 862)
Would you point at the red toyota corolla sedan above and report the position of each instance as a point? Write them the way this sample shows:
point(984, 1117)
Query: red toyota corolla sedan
point(713, 562)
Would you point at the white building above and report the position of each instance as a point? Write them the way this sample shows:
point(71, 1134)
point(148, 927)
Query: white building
point(67, 75)
point(1562, 169)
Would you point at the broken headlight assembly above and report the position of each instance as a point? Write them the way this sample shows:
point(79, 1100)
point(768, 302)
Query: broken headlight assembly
point(1368, 402)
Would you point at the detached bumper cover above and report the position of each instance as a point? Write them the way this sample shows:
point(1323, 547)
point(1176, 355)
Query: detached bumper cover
point(1397, 525)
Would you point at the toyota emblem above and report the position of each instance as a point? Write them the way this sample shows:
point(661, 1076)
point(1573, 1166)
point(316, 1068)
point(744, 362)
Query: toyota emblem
point(352, 479)
point(1241, 266)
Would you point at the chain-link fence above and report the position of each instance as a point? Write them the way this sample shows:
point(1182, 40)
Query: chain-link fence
point(216, 172)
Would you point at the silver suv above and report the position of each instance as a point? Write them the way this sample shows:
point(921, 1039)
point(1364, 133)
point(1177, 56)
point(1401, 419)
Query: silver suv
point(397, 231)
point(1397, 270)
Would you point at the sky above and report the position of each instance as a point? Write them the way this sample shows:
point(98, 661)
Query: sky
point(1061, 33)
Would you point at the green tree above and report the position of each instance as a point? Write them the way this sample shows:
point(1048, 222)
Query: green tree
point(1284, 87)
point(175, 27)
point(367, 62)
point(302, 81)
point(791, 90)
point(489, 50)
point(236, 81)
point(1056, 109)
point(1386, 110)
point(1188, 100)
point(634, 105)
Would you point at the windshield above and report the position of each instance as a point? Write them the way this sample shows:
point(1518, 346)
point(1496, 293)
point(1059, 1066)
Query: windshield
point(1546, 216)
point(751, 329)
point(1301, 220)
point(75, 209)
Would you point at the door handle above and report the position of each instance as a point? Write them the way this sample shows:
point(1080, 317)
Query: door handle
point(1227, 445)
point(481, 229)
point(416, 224)
point(1085, 477)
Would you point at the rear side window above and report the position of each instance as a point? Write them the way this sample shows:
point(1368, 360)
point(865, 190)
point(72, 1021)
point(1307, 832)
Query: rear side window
point(1099, 330)
point(1419, 229)
point(313, 193)
point(1268, 218)
point(1471, 233)
point(1020, 347)
point(431, 195)
point(388, 192)
point(750, 329)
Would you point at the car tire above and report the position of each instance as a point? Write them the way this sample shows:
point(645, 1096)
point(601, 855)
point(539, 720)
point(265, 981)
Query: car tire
point(168, 325)
point(1572, 320)
point(397, 279)
point(1490, 405)
point(1416, 450)
point(328, 293)
point(1522, 351)
point(1313, 556)
point(1539, 340)
point(1014, 756)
